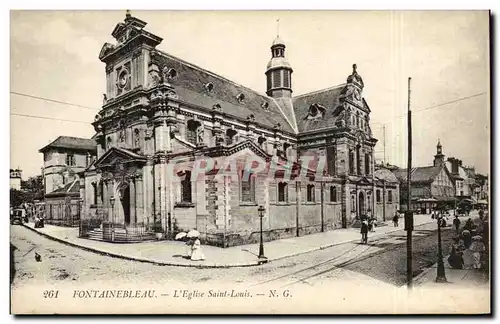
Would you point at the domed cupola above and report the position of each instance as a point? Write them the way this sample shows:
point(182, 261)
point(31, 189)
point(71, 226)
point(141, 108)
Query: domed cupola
point(279, 72)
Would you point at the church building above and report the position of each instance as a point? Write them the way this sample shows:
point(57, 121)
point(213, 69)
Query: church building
point(161, 114)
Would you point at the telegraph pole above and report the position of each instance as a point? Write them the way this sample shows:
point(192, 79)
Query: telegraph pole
point(409, 214)
point(383, 127)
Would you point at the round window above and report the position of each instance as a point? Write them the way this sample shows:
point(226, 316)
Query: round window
point(123, 78)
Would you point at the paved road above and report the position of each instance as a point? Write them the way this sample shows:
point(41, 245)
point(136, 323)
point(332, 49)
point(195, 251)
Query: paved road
point(382, 260)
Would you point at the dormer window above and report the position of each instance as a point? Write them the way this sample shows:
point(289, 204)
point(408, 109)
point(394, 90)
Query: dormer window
point(172, 74)
point(209, 86)
point(316, 111)
point(265, 105)
point(240, 97)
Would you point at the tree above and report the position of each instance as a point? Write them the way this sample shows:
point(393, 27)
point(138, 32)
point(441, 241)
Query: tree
point(32, 188)
point(17, 197)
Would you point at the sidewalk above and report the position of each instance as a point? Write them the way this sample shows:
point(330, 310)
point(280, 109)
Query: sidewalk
point(172, 252)
point(460, 278)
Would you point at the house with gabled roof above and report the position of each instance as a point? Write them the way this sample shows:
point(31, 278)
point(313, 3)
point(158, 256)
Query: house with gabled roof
point(160, 113)
point(431, 186)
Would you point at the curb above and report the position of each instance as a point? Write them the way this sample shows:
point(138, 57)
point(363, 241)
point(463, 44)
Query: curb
point(133, 258)
point(212, 266)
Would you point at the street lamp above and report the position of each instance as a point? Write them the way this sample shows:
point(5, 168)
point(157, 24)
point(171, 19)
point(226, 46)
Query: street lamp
point(441, 277)
point(262, 258)
point(112, 202)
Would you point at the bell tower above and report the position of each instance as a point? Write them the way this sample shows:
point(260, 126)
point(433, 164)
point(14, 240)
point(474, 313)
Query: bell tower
point(439, 157)
point(279, 71)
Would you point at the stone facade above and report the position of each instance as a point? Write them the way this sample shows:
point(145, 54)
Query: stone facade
point(161, 116)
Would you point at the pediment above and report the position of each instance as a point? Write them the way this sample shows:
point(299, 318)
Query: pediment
point(118, 156)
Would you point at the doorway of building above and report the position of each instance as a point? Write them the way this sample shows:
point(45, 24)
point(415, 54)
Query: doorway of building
point(361, 205)
point(125, 200)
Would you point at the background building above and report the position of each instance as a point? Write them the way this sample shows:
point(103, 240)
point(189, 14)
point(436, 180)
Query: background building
point(63, 159)
point(15, 179)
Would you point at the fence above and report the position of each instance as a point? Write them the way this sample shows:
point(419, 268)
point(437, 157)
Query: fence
point(98, 228)
point(63, 214)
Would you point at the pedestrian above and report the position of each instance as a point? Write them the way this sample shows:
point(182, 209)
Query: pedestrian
point(477, 248)
point(456, 223)
point(373, 224)
point(469, 225)
point(395, 219)
point(197, 254)
point(364, 231)
point(455, 259)
point(467, 238)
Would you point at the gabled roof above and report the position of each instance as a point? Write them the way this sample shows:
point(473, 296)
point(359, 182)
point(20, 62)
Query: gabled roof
point(72, 143)
point(418, 174)
point(115, 153)
point(191, 87)
point(328, 98)
point(70, 189)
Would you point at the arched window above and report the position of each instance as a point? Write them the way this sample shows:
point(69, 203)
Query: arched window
point(230, 136)
point(282, 192)
point(333, 194)
point(389, 196)
point(353, 203)
point(378, 195)
point(286, 146)
point(186, 196)
point(310, 193)
point(247, 187)
point(358, 159)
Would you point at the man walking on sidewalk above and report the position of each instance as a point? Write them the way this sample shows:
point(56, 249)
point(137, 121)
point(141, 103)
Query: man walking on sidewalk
point(395, 219)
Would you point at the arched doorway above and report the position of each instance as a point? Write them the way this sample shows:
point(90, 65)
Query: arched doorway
point(361, 205)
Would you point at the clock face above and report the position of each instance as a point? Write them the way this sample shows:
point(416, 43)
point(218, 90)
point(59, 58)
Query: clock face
point(123, 78)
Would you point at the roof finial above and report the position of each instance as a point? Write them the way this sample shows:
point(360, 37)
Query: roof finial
point(278, 27)
point(127, 14)
point(354, 67)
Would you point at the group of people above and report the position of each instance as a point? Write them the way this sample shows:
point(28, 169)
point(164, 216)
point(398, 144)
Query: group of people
point(468, 250)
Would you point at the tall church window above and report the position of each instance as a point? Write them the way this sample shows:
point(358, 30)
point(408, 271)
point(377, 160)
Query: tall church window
point(247, 188)
point(186, 196)
point(333, 194)
point(194, 132)
point(282, 192)
point(310, 193)
point(358, 159)
point(351, 162)
point(367, 163)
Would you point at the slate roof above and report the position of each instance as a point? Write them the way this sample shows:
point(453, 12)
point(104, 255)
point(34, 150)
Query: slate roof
point(75, 143)
point(418, 174)
point(385, 174)
point(70, 189)
point(328, 98)
point(190, 87)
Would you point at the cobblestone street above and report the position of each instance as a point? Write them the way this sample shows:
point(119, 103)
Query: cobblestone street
point(382, 261)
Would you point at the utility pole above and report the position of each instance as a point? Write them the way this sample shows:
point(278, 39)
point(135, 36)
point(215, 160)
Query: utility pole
point(383, 127)
point(409, 214)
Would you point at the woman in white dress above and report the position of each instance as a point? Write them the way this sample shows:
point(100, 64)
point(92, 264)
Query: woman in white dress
point(197, 254)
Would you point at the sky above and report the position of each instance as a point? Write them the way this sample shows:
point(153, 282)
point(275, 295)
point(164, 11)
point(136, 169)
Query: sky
point(54, 55)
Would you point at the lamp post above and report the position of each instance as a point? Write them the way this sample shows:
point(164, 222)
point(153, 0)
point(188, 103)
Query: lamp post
point(112, 201)
point(80, 210)
point(441, 277)
point(262, 258)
